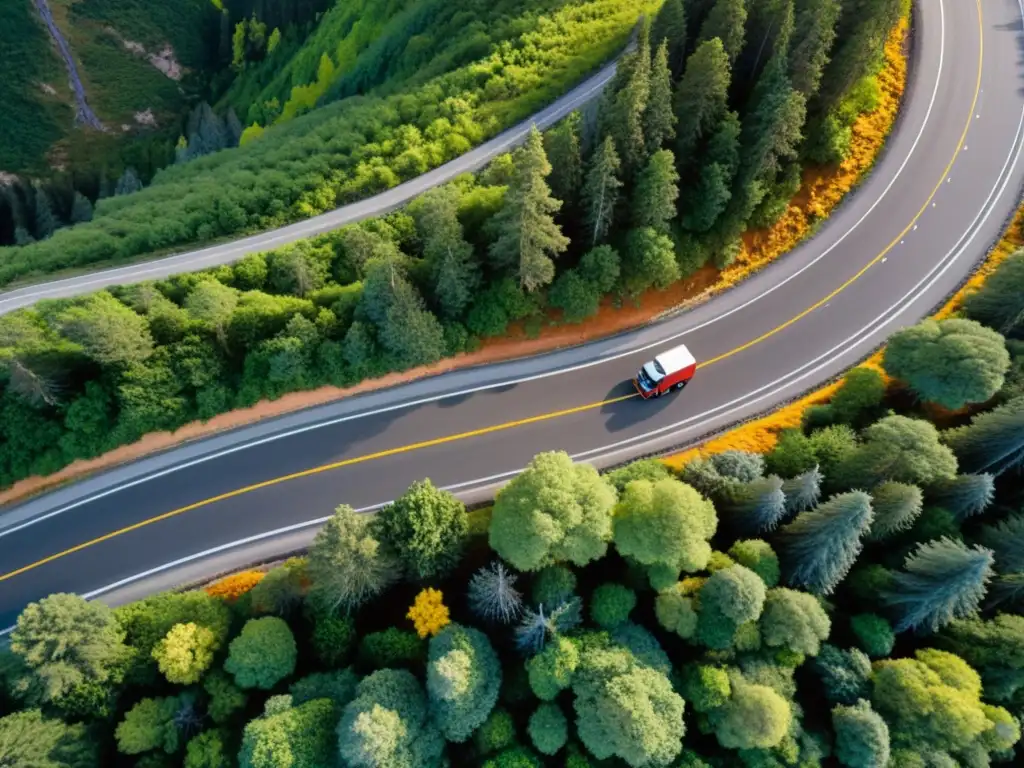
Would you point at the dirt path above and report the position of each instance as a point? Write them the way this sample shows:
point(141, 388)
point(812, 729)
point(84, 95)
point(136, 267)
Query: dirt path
point(84, 113)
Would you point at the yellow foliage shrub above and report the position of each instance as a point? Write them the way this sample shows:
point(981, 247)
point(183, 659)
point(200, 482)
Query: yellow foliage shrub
point(234, 586)
point(429, 614)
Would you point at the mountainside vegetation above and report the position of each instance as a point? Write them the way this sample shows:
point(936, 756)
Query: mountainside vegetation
point(598, 205)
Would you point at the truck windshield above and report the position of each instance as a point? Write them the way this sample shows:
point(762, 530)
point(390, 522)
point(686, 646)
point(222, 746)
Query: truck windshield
point(658, 368)
point(644, 379)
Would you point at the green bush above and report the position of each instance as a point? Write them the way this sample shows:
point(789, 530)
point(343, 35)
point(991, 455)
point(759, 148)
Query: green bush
point(392, 647)
point(263, 654)
point(874, 634)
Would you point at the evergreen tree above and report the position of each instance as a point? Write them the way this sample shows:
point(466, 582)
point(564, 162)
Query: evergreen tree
point(963, 495)
point(650, 261)
point(700, 99)
point(993, 442)
point(601, 192)
point(820, 546)
point(625, 107)
point(1006, 540)
point(657, 188)
point(803, 491)
point(999, 303)
point(46, 222)
point(128, 183)
point(755, 506)
point(659, 120)
point(813, 37)
point(527, 235)
point(896, 506)
point(81, 209)
point(670, 28)
point(862, 737)
point(768, 30)
point(562, 145)
point(896, 448)
point(22, 236)
point(713, 191)
point(726, 21)
point(456, 275)
point(942, 580)
point(860, 34)
point(463, 678)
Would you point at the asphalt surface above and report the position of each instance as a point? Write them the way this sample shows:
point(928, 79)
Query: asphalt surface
point(949, 181)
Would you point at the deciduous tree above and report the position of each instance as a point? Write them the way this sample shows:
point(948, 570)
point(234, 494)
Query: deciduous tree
point(299, 736)
point(862, 737)
point(650, 261)
point(845, 674)
point(758, 556)
point(29, 739)
point(426, 528)
point(185, 653)
point(551, 670)
point(463, 678)
point(794, 620)
point(263, 654)
point(107, 330)
point(548, 729)
point(901, 449)
point(611, 604)
point(151, 725)
point(729, 598)
point(755, 716)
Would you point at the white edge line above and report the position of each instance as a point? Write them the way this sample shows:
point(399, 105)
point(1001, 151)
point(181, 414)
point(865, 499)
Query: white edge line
point(512, 382)
point(843, 347)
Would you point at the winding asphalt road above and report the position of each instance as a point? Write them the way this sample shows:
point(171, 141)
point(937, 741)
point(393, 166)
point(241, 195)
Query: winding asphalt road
point(948, 183)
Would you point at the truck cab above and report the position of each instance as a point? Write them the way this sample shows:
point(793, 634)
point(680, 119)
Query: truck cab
point(670, 370)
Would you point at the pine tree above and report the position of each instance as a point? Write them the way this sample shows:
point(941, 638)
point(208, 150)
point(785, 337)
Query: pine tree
point(657, 188)
point(701, 98)
point(803, 491)
point(897, 506)
point(601, 192)
point(22, 236)
point(754, 507)
point(963, 495)
point(860, 36)
point(942, 580)
point(493, 596)
point(128, 183)
point(527, 235)
point(455, 273)
point(659, 119)
point(710, 197)
point(726, 21)
point(768, 30)
point(1007, 541)
point(625, 107)
point(81, 209)
point(993, 442)
point(562, 144)
point(670, 27)
point(820, 546)
point(813, 37)
point(46, 223)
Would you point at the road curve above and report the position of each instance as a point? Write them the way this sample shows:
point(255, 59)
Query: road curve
point(377, 205)
point(948, 183)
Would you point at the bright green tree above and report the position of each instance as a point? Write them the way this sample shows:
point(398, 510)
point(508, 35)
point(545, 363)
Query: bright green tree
point(993, 442)
point(208, 750)
point(63, 642)
point(670, 28)
point(497, 733)
point(705, 687)
point(30, 739)
point(389, 724)
point(941, 580)
point(551, 670)
point(665, 524)
point(455, 273)
point(859, 40)
point(299, 737)
point(426, 528)
point(972, 359)
point(263, 654)
point(650, 261)
point(758, 556)
point(656, 191)
point(659, 121)
point(896, 507)
point(185, 653)
point(862, 737)
point(348, 564)
point(151, 725)
point(601, 191)
point(858, 399)
point(527, 235)
point(995, 648)
point(701, 97)
point(611, 604)
point(755, 716)
point(729, 599)
point(874, 634)
point(548, 729)
point(794, 620)
point(108, 331)
point(820, 546)
point(901, 449)
point(463, 679)
point(553, 511)
point(726, 21)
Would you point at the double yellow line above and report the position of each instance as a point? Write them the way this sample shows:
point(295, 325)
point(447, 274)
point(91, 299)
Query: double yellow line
point(533, 419)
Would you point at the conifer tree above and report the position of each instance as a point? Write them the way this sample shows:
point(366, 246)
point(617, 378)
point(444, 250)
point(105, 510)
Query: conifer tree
point(754, 507)
point(860, 37)
point(820, 546)
point(726, 20)
point(601, 192)
point(767, 35)
point(456, 275)
point(46, 223)
point(625, 108)
point(713, 191)
point(1006, 540)
point(993, 442)
point(657, 188)
point(81, 209)
point(700, 99)
point(659, 120)
point(562, 145)
point(963, 495)
point(896, 506)
point(128, 183)
point(941, 580)
point(527, 235)
point(670, 27)
point(813, 37)
point(803, 491)
point(999, 303)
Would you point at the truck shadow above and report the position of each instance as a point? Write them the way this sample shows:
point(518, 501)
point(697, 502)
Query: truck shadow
point(628, 413)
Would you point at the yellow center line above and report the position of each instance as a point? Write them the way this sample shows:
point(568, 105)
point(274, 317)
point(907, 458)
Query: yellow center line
point(533, 419)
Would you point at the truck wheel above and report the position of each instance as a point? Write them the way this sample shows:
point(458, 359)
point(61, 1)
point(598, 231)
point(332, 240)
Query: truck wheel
point(681, 384)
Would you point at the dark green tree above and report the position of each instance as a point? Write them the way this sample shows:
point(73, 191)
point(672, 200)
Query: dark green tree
point(820, 546)
point(993, 442)
point(29, 739)
point(426, 528)
point(152, 724)
point(670, 28)
point(548, 729)
point(463, 679)
point(813, 36)
point(709, 198)
point(755, 506)
point(845, 674)
point(995, 648)
point(726, 21)
point(81, 209)
point(941, 580)
point(1006, 540)
point(862, 737)
point(656, 191)
point(874, 634)
point(896, 506)
point(601, 192)
point(758, 556)
point(897, 448)
point(972, 358)
point(860, 34)
point(553, 585)
point(46, 222)
point(562, 145)
point(455, 273)
point(999, 303)
point(625, 106)
point(963, 495)
point(611, 604)
point(700, 99)
point(527, 237)
point(729, 599)
point(650, 261)
point(659, 121)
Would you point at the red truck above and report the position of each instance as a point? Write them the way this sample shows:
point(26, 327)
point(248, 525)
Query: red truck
point(670, 370)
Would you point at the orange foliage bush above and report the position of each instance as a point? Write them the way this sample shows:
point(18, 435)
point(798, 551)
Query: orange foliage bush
point(429, 614)
point(234, 586)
